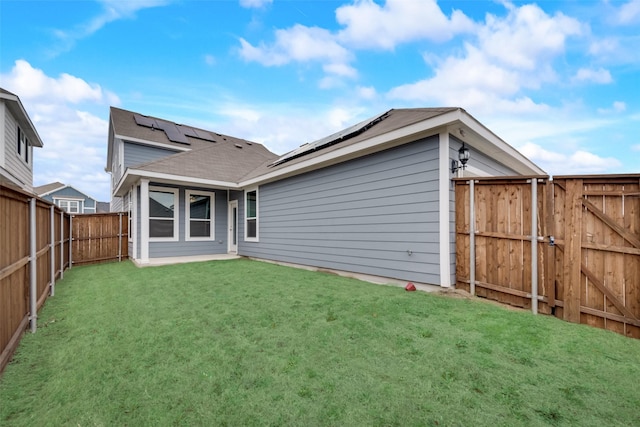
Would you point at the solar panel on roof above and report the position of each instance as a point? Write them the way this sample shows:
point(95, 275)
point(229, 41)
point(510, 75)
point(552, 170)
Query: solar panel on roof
point(173, 133)
point(196, 133)
point(332, 139)
point(145, 121)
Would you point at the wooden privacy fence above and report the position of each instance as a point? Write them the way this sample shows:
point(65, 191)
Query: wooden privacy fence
point(38, 243)
point(100, 238)
point(34, 253)
point(568, 246)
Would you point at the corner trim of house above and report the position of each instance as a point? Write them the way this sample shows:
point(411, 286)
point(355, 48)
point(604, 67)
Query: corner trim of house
point(444, 180)
point(2, 124)
point(144, 221)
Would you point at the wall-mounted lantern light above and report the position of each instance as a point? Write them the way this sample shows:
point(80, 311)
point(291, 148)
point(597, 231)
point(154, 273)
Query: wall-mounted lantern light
point(463, 158)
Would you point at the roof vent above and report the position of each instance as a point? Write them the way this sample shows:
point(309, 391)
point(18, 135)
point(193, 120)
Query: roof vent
point(238, 145)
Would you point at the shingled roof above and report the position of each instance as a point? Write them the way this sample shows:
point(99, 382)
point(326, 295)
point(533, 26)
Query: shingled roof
point(210, 156)
point(206, 156)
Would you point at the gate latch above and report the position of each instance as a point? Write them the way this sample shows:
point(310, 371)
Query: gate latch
point(552, 241)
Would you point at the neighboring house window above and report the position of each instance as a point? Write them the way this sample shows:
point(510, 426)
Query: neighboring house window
point(163, 214)
point(251, 215)
point(69, 206)
point(199, 210)
point(23, 146)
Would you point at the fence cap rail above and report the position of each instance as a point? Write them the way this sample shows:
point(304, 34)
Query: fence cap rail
point(635, 177)
point(514, 179)
point(20, 193)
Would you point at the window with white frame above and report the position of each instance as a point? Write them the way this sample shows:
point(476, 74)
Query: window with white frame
point(163, 214)
point(199, 210)
point(69, 206)
point(251, 215)
point(23, 146)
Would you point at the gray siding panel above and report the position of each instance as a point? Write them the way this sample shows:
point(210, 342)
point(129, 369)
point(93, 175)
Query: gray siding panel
point(192, 248)
point(136, 154)
point(14, 165)
point(374, 215)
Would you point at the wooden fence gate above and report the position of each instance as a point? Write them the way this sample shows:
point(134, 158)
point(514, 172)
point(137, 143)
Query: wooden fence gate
point(581, 263)
point(100, 237)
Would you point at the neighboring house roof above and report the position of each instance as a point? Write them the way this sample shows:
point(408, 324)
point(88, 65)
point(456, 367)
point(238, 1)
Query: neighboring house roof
point(210, 158)
point(43, 190)
point(17, 109)
point(47, 189)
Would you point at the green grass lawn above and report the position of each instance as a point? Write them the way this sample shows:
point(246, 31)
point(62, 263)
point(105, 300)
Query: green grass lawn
point(249, 343)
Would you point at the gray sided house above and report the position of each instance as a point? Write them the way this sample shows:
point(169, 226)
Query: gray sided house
point(18, 136)
point(376, 198)
point(69, 198)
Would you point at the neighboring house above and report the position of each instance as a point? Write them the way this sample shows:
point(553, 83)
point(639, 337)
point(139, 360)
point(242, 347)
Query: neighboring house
point(68, 198)
point(18, 136)
point(376, 198)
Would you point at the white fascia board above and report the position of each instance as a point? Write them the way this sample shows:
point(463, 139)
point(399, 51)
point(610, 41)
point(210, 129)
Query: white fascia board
point(521, 164)
point(151, 143)
point(15, 101)
point(69, 198)
point(165, 178)
point(378, 143)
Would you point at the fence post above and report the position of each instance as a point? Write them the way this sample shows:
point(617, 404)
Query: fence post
point(52, 250)
point(572, 250)
point(472, 237)
point(70, 240)
point(120, 237)
point(61, 243)
point(534, 245)
point(33, 297)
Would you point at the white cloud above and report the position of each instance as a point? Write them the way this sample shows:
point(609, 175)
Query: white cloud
point(343, 70)
point(577, 162)
point(283, 128)
point(511, 54)
point(297, 44)
point(616, 107)
point(367, 93)
point(629, 13)
point(635, 147)
point(370, 25)
point(75, 143)
point(526, 37)
point(33, 84)
point(113, 10)
point(587, 75)
point(255, 4)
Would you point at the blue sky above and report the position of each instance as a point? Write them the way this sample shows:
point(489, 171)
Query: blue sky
point(558, 80)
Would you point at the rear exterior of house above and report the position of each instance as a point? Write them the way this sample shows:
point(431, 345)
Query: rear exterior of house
point(18, 136)
point(67, 198)
point(375, 199)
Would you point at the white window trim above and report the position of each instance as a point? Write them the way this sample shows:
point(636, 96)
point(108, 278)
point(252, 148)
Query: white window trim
point(79, 203)
point(257, 217)
point(176, 214)
point(187, 215)
point(22, 147)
